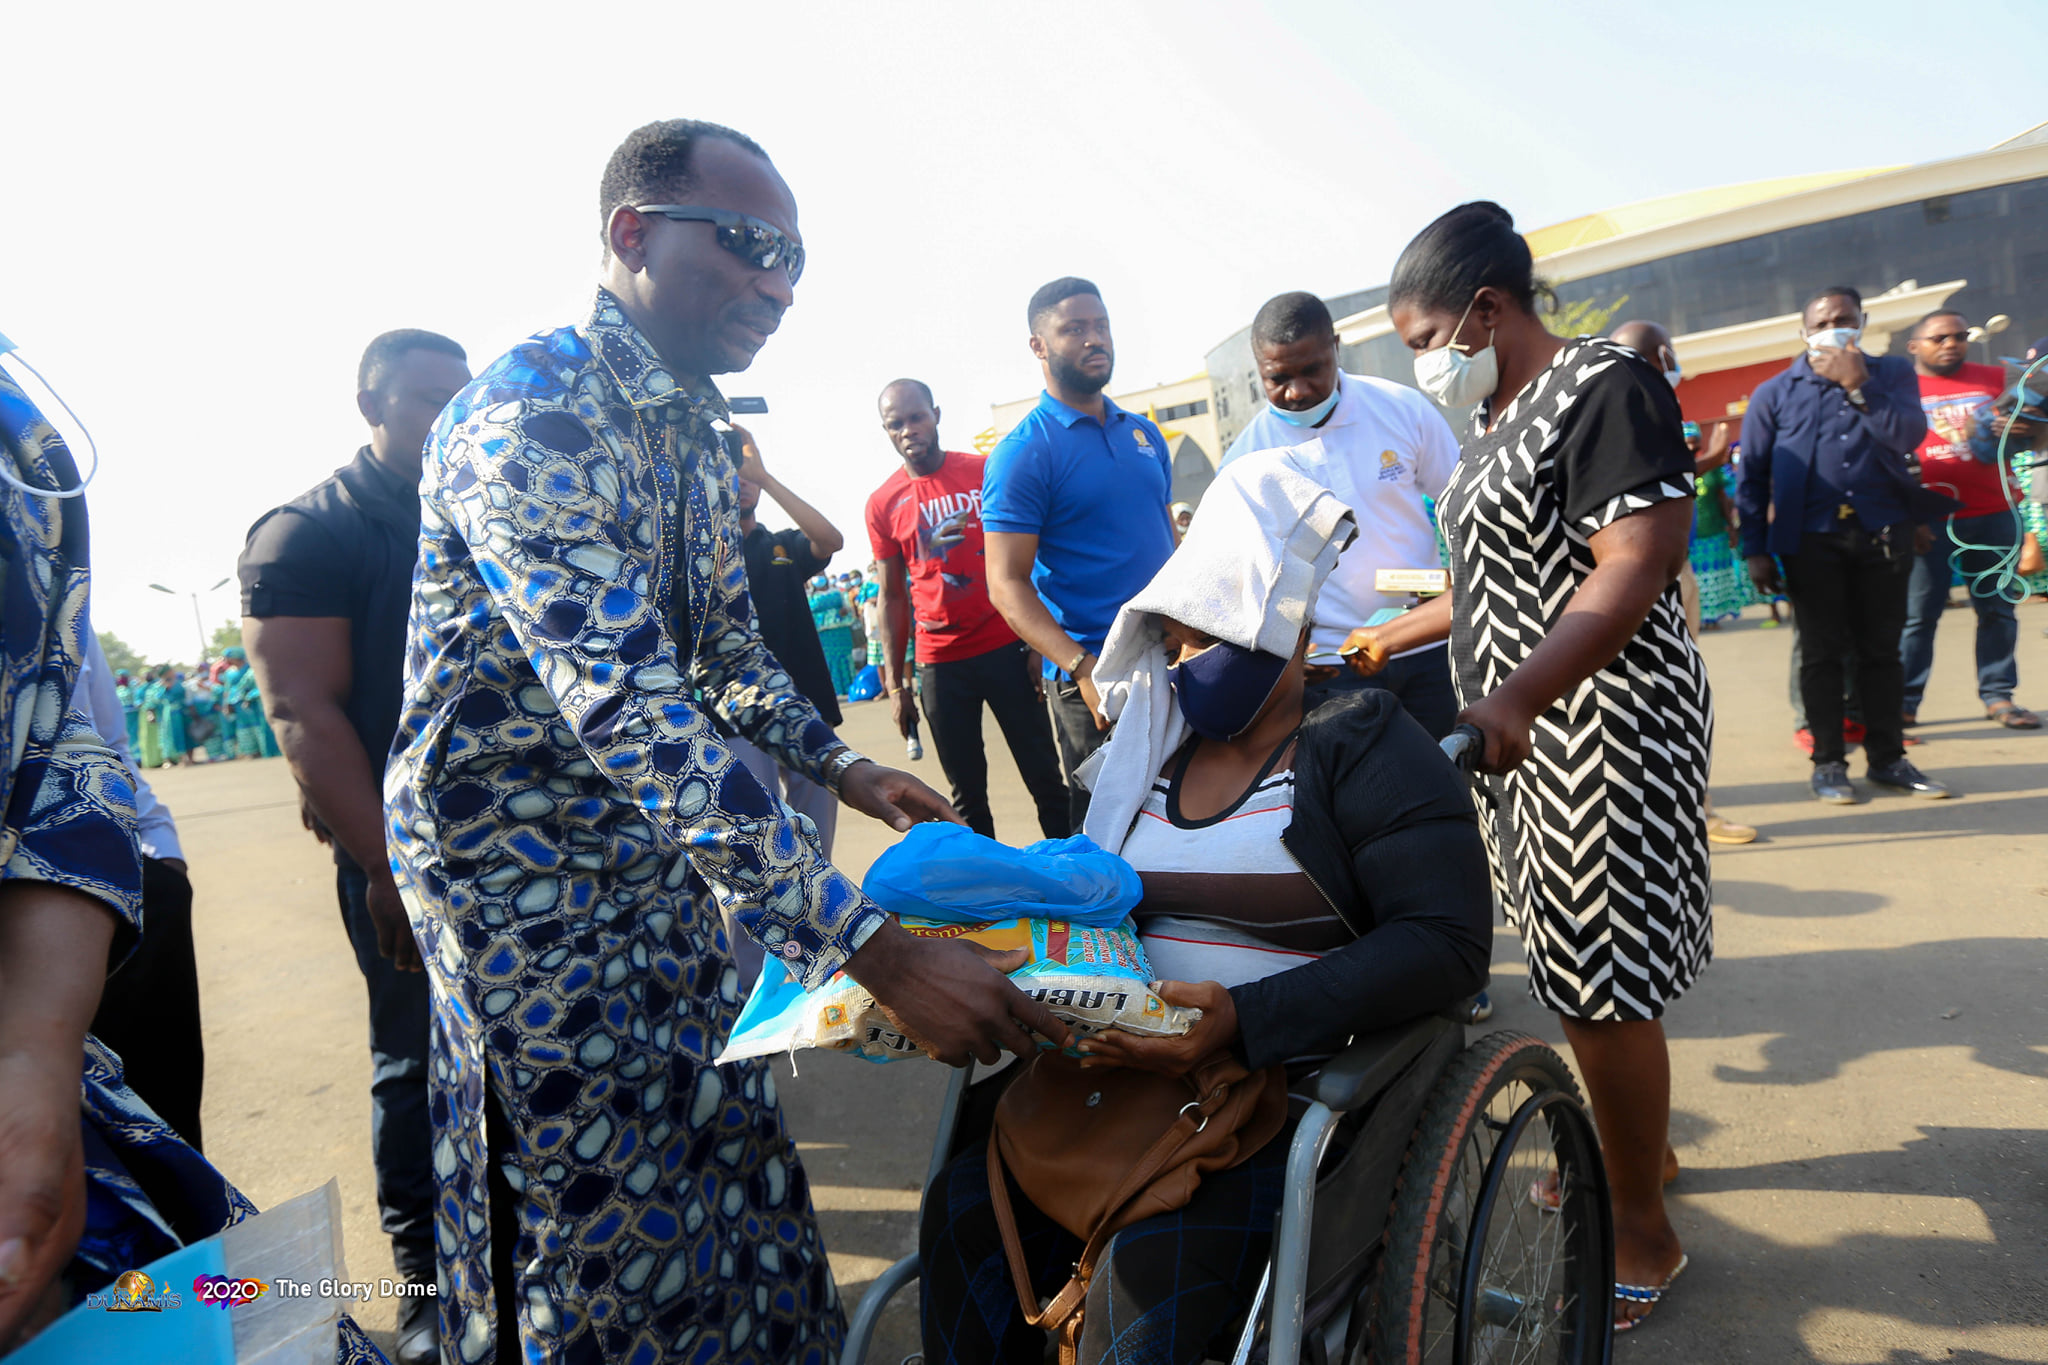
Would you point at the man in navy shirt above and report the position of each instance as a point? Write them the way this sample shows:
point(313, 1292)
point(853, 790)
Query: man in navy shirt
point(1825, 487)
point(1074, 507)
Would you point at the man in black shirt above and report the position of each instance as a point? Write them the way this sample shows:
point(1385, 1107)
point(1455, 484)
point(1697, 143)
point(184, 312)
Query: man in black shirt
point(779, 564)
point(326, 589)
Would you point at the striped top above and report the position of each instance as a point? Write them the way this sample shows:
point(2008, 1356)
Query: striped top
point(1224, 900)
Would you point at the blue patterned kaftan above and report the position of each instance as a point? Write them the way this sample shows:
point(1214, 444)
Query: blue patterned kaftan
point(70, 820)
point(566, 824)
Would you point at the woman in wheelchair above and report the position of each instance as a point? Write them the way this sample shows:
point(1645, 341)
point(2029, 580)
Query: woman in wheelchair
point(1308, 876)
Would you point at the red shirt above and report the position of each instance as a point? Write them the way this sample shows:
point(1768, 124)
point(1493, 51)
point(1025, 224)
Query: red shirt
point(1955, 404)
point(934, 525)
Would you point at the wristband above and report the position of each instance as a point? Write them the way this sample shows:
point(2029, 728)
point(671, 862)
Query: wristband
point(835, 767)
point(1075, 666)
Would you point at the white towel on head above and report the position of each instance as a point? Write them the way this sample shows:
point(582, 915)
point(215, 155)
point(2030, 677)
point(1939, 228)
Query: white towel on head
point(1267, 535)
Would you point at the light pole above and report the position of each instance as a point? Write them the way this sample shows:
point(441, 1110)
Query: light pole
point(198, 622)
point(1993, 325)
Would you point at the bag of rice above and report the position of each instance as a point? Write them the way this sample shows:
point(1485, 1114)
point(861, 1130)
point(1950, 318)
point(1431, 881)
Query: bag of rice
point(1091, 979)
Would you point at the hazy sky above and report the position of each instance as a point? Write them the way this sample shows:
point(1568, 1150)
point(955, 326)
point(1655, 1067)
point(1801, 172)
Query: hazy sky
point(211, 209)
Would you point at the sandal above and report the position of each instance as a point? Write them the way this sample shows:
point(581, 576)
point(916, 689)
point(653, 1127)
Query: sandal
point(2012, 717)
point(1645, 1294)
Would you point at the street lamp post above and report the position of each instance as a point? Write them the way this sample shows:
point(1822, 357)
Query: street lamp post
point(198, 622)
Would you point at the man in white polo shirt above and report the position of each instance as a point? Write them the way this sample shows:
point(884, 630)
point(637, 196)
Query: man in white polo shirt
point(1381, 447)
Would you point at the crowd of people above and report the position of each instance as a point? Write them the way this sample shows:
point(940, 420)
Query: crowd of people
point(566, 712)
point(210, 715)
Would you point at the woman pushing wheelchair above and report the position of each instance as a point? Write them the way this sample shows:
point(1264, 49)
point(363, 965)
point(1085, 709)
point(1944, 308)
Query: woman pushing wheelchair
point(1309, 876)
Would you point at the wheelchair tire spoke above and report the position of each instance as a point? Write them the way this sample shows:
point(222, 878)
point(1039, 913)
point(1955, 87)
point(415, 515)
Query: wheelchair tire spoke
point(1531, 1283)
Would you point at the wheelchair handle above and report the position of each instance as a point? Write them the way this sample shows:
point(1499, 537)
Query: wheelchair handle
point(1463, 746)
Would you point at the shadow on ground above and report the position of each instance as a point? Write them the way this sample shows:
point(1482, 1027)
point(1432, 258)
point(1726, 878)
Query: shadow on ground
point(1818, 1298)
point(1906, 997)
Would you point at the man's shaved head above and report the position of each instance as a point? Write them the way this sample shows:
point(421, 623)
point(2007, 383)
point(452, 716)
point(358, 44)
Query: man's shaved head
point(1646, 339)
point(918, 386)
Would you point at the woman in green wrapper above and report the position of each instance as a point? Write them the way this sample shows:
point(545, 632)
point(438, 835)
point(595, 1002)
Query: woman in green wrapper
point(177, 730)
point(253, 737)
point(1722, 579)
point(149, 748)
point(210, 727)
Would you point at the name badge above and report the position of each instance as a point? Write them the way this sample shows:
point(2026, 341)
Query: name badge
point(1425, 582)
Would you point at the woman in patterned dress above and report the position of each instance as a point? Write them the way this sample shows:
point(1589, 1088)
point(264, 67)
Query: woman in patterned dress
point(92, 1183)
point(1567, 521)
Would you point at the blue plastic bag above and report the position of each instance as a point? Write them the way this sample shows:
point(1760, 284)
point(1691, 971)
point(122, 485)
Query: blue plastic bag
point(866, 684)
point(1089, 978)
point(1067, 900)
point(950, 874)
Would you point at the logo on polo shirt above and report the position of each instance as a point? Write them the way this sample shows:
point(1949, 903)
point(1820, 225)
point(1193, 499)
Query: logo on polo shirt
point(782, 559)
point(1390, 466)
point(1144, 441)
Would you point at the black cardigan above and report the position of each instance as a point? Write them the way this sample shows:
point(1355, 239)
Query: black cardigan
point(1384, 827)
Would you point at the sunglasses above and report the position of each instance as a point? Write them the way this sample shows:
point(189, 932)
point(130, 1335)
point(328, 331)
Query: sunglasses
point(761, 245)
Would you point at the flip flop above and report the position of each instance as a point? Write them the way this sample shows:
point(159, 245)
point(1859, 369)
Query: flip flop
point(2012, 717)
point(1645, 1294)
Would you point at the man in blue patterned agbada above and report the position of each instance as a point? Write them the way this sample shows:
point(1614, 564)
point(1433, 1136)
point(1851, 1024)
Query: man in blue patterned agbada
point(567, 825)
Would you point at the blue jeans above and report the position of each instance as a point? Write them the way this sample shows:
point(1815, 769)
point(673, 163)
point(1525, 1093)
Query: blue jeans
point(1421, 682)
point(1998, 630)
point(401, 1130)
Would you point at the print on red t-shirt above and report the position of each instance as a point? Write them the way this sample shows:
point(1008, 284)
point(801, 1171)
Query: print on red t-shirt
point(1954, 405)
point(934, 525)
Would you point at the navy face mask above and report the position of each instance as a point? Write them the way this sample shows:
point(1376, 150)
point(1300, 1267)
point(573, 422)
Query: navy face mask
point(1222, 690)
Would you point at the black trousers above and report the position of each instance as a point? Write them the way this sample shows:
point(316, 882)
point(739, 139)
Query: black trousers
point(1167, 1287)
point(401, 1127)
point(1849, 597)
point(953, 694)
point(1073, 724)
point(149, 1011)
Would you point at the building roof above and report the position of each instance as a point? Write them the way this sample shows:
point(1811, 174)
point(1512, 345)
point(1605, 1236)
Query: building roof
point(1677, 208)
point(1656, 228)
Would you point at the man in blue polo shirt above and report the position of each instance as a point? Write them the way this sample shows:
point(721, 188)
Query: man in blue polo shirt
point(1074, 510)
point(1824, 487)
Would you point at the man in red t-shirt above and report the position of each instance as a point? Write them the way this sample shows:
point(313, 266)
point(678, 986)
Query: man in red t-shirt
point(1959, 458)
point(925, 524)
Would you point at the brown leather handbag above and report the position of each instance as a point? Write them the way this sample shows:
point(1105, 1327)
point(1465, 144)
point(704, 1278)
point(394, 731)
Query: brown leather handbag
point(1101, 1149)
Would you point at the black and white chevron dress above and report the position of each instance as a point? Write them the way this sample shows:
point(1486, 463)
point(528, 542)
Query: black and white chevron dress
point(1598, 842)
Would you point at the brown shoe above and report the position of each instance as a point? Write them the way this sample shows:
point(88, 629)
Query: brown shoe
point(1720, 831)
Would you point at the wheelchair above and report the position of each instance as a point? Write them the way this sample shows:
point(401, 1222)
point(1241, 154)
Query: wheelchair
point(1445, 1205)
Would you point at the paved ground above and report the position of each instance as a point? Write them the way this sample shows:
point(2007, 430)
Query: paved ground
point(1861, 1079)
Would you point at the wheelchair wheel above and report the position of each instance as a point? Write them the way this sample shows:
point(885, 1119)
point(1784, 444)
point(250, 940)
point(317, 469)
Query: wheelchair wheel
point(1472, 1269)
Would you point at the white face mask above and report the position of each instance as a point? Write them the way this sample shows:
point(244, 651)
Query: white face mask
point(1308, 417)
point(1673, 375)
point(1833, 338)
point(1452, 377)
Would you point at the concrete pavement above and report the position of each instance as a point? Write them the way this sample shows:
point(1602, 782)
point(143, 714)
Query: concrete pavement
point(1860, 1079)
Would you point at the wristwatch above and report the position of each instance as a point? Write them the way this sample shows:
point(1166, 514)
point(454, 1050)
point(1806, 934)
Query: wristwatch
point(836, 766)
point(1075, 666)
point(1855, 395)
